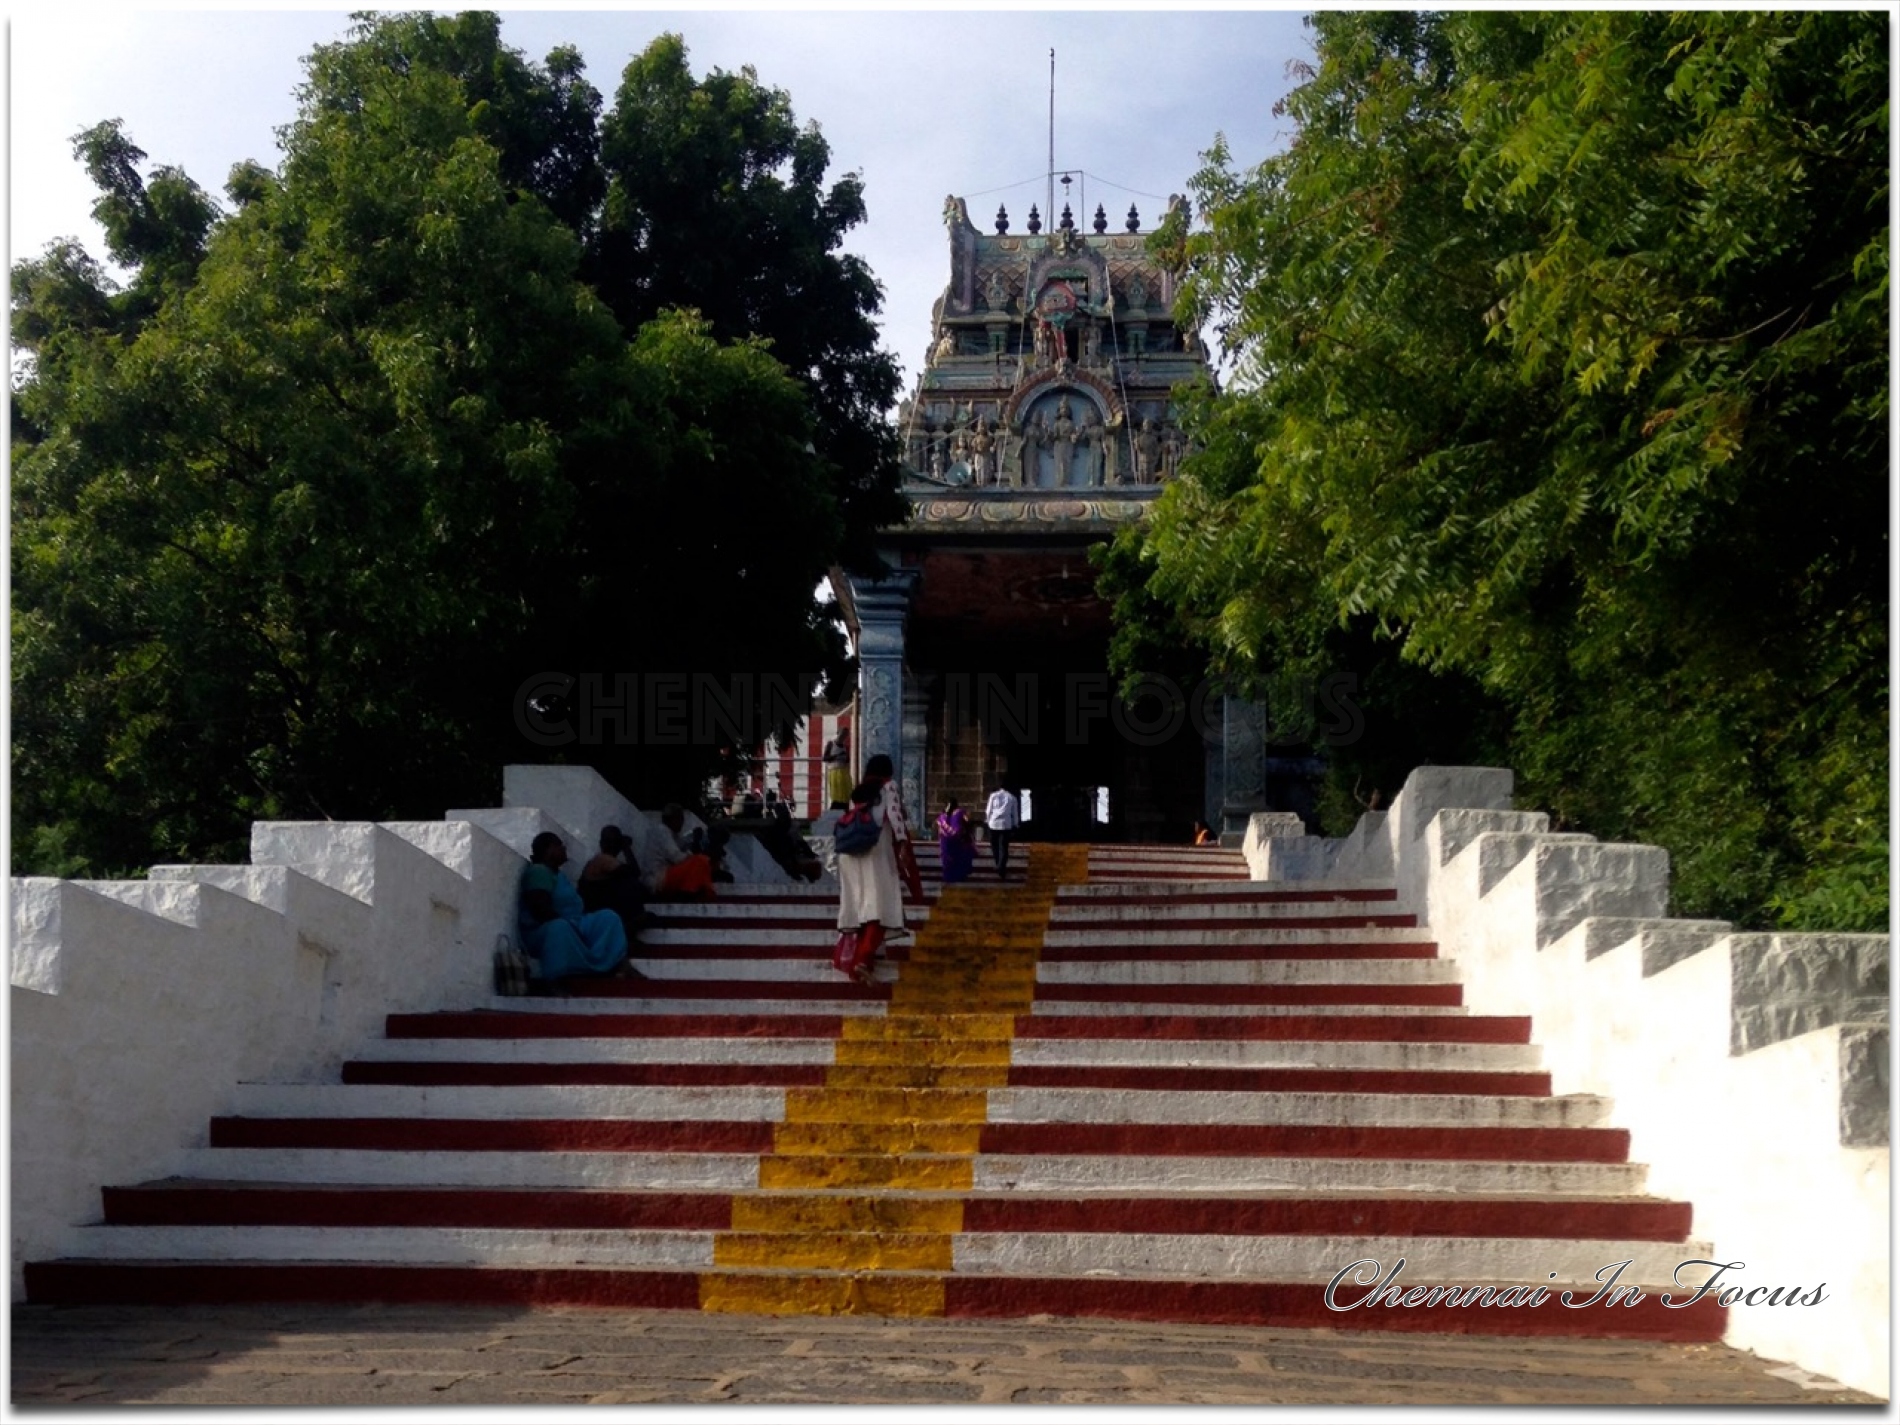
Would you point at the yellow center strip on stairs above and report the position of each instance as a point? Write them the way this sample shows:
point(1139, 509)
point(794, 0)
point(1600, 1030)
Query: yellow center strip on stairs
point(860, 1200)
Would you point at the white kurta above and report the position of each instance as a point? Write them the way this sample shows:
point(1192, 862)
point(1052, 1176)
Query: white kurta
point(868, 888)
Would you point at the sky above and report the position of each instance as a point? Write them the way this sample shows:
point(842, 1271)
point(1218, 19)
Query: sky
point(920, 103)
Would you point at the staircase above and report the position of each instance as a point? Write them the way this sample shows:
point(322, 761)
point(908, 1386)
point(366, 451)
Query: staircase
point(1131, 1083)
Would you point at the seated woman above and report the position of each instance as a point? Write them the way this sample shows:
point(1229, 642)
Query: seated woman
point(612, 881)
point(678, 873)
point(559, 933)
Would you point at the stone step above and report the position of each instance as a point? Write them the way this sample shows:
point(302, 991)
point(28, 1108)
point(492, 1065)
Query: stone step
point(599, 1135)
point(1252, 970)
point(741, 1053)
point(1009, 1105)
point(1263, 1256)
point(1261, 893)
point(589, 1020)
point(1088, 1174)
point(187, 1202)
point(1286, 1305)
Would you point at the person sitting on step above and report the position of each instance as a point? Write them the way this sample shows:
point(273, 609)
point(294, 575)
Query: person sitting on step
point(557, 930)
point(678, 873)
point(612, 881)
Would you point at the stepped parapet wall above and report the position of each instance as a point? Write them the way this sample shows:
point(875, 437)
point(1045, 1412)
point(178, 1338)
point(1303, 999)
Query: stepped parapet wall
point(138, 1007)
point(1750, 1069)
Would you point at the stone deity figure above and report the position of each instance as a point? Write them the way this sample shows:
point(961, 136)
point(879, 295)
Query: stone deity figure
point(946, 344)
point(1064, 443)
point(1173, 444)
point(996, 295)
point(1137, 294)
point(936, 461)
point(1088, 436)
point(1092, 345)
point(980, 447)
point(1147, 453)
point(1111, 450)
point(1035, 436)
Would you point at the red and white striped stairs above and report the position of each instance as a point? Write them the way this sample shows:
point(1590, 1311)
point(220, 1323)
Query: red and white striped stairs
point(1221, 1094)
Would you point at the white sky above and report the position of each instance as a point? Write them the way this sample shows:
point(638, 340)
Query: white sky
point(922, 103)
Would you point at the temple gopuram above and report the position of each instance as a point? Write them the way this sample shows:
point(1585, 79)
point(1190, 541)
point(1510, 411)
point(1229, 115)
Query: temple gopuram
point(1045, 418)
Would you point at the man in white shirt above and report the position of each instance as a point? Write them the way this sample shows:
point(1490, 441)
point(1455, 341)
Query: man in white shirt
point(1001, 814)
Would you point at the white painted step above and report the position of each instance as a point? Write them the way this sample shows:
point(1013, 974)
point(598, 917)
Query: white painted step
point(1060, 1173)
point(1082, 1173)
point(1288, 1258)
point(1071, 915)
point(601, 1051)
point(1239, 935)
point(1260, 1258)
point(580, 1002)
point(717, 1103)
point(1275, 1054)
point(1169, 1008)
point(754, 1104)
point(711, 1172)
point(1149, 1053)
point(1356, 1110)
point(1093, 891)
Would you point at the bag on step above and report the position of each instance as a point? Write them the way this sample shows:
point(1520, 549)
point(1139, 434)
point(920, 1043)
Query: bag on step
point(511, 968)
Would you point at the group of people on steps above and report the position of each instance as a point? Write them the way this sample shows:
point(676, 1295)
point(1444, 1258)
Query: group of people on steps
point(870, 893)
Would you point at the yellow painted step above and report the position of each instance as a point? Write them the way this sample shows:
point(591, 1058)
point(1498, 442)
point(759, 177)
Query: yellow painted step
point(821, 1294)
point(835, 1251)
point(845, 1212)
point(921, 1053)
point(920, 1172)
point(884, 1106)
point(856, 1077)
point(861, 1027)
point(830, 1138)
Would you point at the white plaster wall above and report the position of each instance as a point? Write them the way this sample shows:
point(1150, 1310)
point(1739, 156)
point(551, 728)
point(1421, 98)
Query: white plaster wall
point(1723, 1053)
point(138, 1007)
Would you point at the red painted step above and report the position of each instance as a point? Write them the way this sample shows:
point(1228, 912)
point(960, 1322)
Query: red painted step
point(1295, 1304)
point(1303, 1304)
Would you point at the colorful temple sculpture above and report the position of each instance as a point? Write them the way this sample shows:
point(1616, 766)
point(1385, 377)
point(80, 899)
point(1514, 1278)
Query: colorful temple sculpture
point(1045, 418)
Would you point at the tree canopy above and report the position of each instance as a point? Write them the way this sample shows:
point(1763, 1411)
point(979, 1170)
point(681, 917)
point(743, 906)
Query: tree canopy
point(1560, 349)
point(299, 509)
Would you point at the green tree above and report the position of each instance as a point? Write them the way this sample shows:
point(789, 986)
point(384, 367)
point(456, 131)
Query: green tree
point(716, 200)
point(1560, 352)
point(292, 529)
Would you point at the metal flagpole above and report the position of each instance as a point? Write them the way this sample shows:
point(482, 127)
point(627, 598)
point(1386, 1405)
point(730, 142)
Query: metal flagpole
point(1049, 199)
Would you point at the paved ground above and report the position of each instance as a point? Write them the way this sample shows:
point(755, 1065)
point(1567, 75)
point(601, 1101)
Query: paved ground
point(395, 1356)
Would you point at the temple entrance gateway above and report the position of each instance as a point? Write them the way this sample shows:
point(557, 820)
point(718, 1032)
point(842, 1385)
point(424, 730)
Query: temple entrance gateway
point(1045, 418)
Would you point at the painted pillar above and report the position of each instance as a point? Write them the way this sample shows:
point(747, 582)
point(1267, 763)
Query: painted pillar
point(882, 606)
point(915, 741)
point(1243, 764)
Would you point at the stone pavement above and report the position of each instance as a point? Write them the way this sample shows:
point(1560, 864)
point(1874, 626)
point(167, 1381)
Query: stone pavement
point(444, 1356)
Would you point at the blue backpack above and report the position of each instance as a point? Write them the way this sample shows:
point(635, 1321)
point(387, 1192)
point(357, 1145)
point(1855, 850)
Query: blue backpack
point(857, 831)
